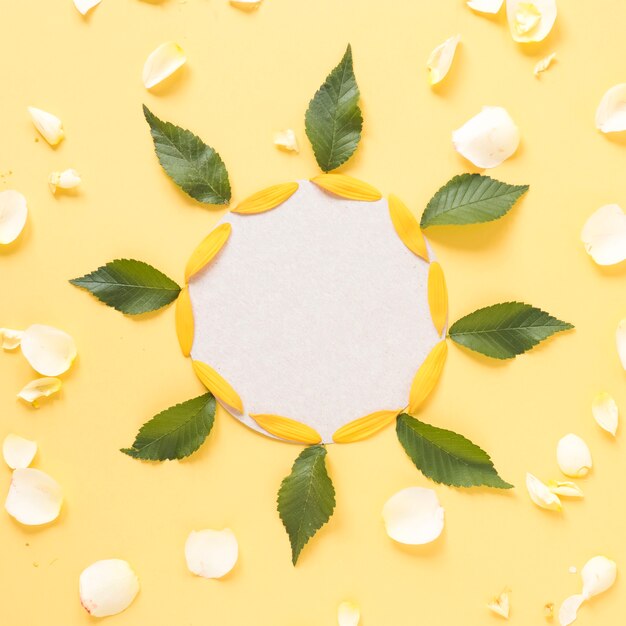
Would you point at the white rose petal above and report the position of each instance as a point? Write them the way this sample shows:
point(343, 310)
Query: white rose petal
point(487, 139)
point(486, 6)
point(441, 58)
point(211, 553)
point(569, 609)
point(348, 614)
point(67, 179)
point(531, 20)
point(565, 488)
point(49, 351)
point(544, 64)
point(286, 140)
point(604, 235)
point(162, 63)
point(38, 389)
point(107, 587)
point(541, 495)
point(501, 605)
point(84, 6)
point(573, 456)
point(34, 497)
point(18, 452)
point(13, 214)
point(620, 339)
point(605, 412)
point(50, 126)
point(413, 516)
point(10, 339)
point(611, 112)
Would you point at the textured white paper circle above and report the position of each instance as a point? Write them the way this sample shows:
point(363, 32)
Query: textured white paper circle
point(315, 311)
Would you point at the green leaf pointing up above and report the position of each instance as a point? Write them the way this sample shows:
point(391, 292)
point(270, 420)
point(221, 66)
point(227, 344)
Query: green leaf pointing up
point(195, 167)
point(306, 498)
point(471, 199)
point(333, 120)
point(130, 286)
point(446, 457)
point(505, 330)
point(176, 432)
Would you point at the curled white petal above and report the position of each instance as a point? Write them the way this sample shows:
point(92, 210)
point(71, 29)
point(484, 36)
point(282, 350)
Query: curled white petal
point(107, 587)
point(34, 497)
point(605, 412)
point(598, 575)
point(49, 125)
point(541, 495)
point(49, 351)
point(604, 235)
point(286, 140)
point(413, 516)
point(620, 339)
point(569, 609)
point(488, 138)
point(38, 389)
point(501, 605)
point(611, 112)
point(84, 6)
point(544, 64)
point(573, 456)
point(348, 614)
point(486, 6)
point(67, 179)
point(18, 452)
point(162, 63)
point(211, 553)
point(565, 488)
point(13, 214)
point(440, 59)
point(10, 339)
point(531, 20)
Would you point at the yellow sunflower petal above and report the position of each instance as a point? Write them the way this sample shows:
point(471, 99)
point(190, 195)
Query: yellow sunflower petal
point(217, 385)
point(347, 187)
point(184, 321)
point(266, 199)
point(209, 247)
point(427, 376)
point(407, 227)
point(364, 427)
point(286, 428)
point(437, 296)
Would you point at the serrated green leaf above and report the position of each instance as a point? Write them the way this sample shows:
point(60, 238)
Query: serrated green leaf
point(195, 167)
point(176, 432)
point(333, 120)
point(446, 457)
point(471, 199)
point(306, 498)
point(129, 286)
point(505, 330)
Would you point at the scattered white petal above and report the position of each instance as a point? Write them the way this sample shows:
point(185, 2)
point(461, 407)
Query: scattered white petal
point(162, 63)
point(34, 497)
point(501, 605)
point(84, 6)
point(487, 139)
point(18, 452)
point(10, 339)
point(67, 179)
point(13, 214)
point(565, 488)
point(49, 351)
point(569, 609)
point(440, 59)
point(486, 6)
point(246, 4)
point(598, 575)
point(611, 112)
point(286, 140)
point(573, 456)
point(50, 126)
point(348, 614)
point(107, 587)
point(413, 516)
point(531, 20)
point(604, 235)
point(211, 553)
point(620, 339)
point(605, 412)
point(541, 495)
point(38, 389)
point(544, 64)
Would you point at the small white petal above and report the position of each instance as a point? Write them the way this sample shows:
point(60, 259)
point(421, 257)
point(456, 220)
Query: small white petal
point(162, 62)
point(50, 126)
point(605, 412)
point(211, 553)
point(38, 389)
point(544, 64)
point(84, 6)
point(531, 20)
point(541, 495)
point(487, 139)
point(107, 587)
point(67, 179)
point(569, 609)
point(246, 4)
point(620, 339)
point(348, 614)
point(13, 214)
point(34, 497)
point(501, 605)
point(486, 6)
point(49, 351)
point(598, 575)
point(413, 516)
point(286, 139)
point(604, 235)
point(440, 59)
point(18, 452)
point(565, 488)
point(611, 112)
point(10, 339)
point(573, 456)
point(572, 569)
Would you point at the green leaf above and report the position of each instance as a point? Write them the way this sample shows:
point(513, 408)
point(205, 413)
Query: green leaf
point(129, 286)
point(471, 199)
point(333, 120)
point(176, 432)
point(195, 167)
point(306, 498)
point(505, 330)
point(445, 456)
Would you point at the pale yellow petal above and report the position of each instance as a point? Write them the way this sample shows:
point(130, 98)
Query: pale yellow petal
point(49, 125)
point(437, 296)
point(10, 339)
point(427, 376)
point(605, 412)
point(364, 427)
point(266, 199)
point(287, 428)
point(407, 227)
point(440, 60)
point(49, 351)
point(286, 140)
point(162, 63)
point(501, 604)
point(218, 385)
point(207, 250)
point(39, 389)
point(347, 187)
point(13, 215)
point(544, 64)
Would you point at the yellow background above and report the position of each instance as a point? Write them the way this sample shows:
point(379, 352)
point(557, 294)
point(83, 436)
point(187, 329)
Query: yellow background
point(247, 76)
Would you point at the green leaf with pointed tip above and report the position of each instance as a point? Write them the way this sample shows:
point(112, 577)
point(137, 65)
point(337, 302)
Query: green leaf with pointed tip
point(333, 121)
point(446, 457)
point(176, 432)
point(306, 498)
point(471, 199)
point(195, 167)
point(129, 286)
point(502, 331)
